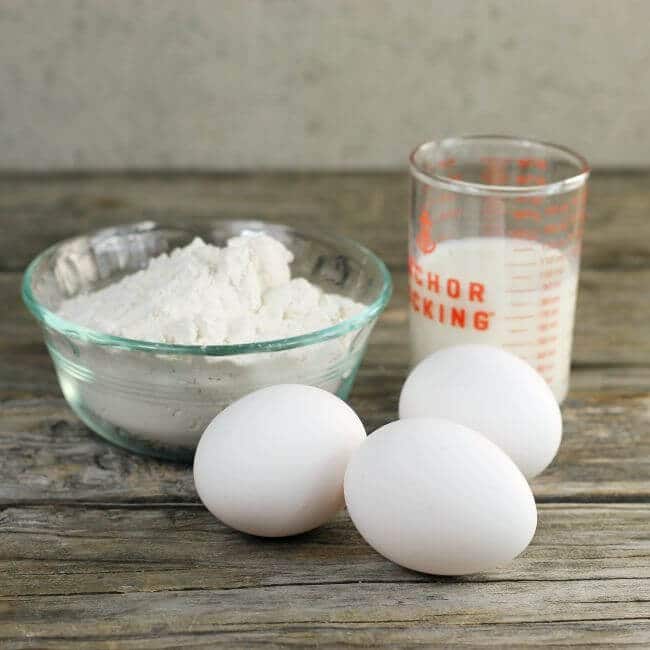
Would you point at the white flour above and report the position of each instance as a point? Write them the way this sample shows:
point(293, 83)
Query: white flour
point(201, 294)
point(205, 295)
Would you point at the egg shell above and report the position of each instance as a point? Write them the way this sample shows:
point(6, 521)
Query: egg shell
point(492, 391)
point(437, 497)
point(273, 462)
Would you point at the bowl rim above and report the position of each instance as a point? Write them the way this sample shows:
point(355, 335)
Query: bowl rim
point(86, 334)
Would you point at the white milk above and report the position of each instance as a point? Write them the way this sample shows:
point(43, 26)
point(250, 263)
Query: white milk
point(513, 293)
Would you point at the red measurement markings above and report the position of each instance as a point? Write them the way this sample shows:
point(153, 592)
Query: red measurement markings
point(527, 214)
point(544, 367)
point(551, 228)
point(523, 234)
point(489, 177)
point(533, 200)
point(547, 286)
point(521, 263)
point(549, 313)
point(550, 300)
point(522, 277)
point(535, 163)
point(517, 331)
point(543, 340)
point(560, 208)
point(447, 162)
point(495, 171)
point(492, 227)
point(545, 354)
point(523, 250)
point(550, 273)
point(495, 163)
point(455, 177)
point(544, 327)
point(424, 238)
point(530, 179)
point(560, 242)
point(519, 290)
point(522, 317)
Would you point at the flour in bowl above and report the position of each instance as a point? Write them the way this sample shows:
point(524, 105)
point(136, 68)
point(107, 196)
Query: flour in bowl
point(160, 401)
point(205, 295)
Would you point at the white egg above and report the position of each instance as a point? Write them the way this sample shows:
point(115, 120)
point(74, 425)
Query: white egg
point(492, 391)
point(435, 496)
point(273, 462)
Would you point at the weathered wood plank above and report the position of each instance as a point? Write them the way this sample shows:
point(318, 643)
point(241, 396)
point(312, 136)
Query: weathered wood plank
point(578, 635)
point(48, 550)
point(36, 211)
point(46, 454)
point(450, 603)
point(44, 210)
point(101, 548)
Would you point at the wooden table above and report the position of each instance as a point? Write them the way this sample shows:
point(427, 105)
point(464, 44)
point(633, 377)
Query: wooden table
point(100, 548)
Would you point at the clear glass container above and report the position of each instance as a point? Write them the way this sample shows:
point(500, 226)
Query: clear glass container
point(157, 399)
point(494, 248)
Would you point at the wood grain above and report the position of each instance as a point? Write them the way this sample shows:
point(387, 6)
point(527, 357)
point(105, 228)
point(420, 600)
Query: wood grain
point(590, 633)
point(182, 547)
point(373, 207)
point(348, 604)
point(47, 455)
point(104, 549)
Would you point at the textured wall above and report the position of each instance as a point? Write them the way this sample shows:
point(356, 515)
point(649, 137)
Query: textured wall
point(316, 83)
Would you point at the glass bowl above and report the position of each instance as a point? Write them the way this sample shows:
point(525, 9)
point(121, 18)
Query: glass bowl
point(156, 398)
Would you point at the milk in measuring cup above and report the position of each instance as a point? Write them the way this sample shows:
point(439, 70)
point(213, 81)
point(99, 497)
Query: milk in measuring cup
point(513, 293)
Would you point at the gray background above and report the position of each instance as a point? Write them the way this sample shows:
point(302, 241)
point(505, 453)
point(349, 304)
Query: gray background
point(248, 84)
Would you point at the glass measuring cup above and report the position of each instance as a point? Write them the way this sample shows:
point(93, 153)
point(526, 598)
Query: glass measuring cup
point(494, 248)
